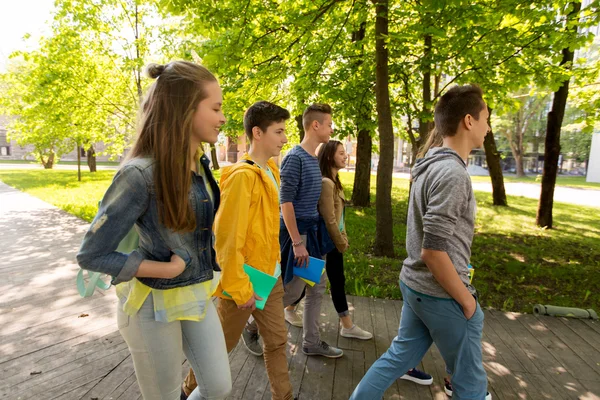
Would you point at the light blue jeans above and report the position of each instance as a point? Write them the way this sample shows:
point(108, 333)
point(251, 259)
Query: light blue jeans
point(426, 320)
point(157, 350)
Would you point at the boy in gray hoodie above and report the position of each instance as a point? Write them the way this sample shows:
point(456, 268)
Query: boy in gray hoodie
point(440, 305)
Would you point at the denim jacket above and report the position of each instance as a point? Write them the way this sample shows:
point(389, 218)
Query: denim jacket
point(131, 200)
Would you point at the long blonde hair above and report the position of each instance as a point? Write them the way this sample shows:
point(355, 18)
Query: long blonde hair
point(165, 128)
point(433, 140)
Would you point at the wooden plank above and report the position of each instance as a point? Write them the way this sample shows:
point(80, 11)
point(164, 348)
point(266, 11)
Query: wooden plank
point(119, 390)
point(362, 314)
point(585, 331)
point(77, 393)
point(62, 383)
point(115, 378)
point(245, 370)
point(595, 325)
point(511, 344)
point(343, 381)
point(318, 379)
point(57, 368)
point(500, 379)
point(24, 317)
point(18, 370)
point(562, 380)
point(382, 340)
point(131, 393)
point(558, 348)
point(560, 327)
point(297, 359)
point(406, 389)
point(592, 389)
point(48, 336)
point(258, 381)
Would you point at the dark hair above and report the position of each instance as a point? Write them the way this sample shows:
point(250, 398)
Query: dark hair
point(263, 114)
point(315, 112)
point(164, 131)
point(454, 105)
point(326, 161)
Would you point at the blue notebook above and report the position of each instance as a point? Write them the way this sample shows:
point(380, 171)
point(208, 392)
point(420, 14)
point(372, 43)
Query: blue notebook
point(262, 284)
point(312, 272)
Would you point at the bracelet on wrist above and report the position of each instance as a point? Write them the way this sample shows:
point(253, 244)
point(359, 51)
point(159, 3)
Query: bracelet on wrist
point(298, 243)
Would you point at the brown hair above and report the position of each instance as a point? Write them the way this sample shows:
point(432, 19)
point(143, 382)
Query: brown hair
point(454, 105)
point(165, 128)
point(326, 161)
point(263, 114)
point(452, 108)
point(314, 112)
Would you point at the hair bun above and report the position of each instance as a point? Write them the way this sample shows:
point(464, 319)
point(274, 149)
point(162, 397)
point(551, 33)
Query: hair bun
point(155, 70)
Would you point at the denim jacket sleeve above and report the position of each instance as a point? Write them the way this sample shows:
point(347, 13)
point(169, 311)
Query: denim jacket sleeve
point(124, 202)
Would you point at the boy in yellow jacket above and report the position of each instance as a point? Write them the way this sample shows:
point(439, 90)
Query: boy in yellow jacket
point(247, 232)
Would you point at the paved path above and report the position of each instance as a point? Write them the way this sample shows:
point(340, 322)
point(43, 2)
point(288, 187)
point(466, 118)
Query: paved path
point(55, 345)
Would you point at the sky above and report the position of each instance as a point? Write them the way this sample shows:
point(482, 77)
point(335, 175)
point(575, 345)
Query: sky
point(17, 18)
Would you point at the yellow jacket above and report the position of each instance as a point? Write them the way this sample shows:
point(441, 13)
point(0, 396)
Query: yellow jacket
point(246, 227)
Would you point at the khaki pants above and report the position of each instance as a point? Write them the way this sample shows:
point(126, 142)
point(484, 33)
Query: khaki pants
point(272, 329)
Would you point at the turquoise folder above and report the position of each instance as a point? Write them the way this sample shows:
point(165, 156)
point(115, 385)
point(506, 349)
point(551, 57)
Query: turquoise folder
point(262, 284)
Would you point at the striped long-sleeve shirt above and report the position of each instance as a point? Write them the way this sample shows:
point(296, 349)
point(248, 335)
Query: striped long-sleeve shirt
point(301, 182)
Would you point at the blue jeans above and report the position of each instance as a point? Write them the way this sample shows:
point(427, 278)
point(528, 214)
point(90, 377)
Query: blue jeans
point(426, 320)
point(157, 350)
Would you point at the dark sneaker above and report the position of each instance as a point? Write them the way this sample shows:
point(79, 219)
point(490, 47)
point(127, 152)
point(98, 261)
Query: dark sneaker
point(251, 341)
point(448, 390)
point(323, 349)
point(417, 376)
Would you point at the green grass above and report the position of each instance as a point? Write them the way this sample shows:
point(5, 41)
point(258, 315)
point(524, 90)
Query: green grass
point(18, 162)
point(567, 181)
point(517, 264)
point(83, 162)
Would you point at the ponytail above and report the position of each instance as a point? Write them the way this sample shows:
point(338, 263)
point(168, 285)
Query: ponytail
point(433, 140)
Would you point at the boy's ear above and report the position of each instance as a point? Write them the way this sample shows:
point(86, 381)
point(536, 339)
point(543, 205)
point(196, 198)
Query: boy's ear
point(256, 132)
point(467, 120)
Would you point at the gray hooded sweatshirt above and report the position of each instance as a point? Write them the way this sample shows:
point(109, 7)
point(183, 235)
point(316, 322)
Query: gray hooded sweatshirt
point(441, 216)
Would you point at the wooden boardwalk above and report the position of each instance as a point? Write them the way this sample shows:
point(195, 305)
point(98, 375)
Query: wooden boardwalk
point(55, 345)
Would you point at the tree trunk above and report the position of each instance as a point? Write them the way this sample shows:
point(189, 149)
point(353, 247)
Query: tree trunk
point(492, 157)
point(361, 192)
point(49, 163)
point(215, 159)
point(384, 239)
point(91, 158)
point(519, 164)
point(424, 124)
point(78, 162)
point(300, 125)
point(552, 143)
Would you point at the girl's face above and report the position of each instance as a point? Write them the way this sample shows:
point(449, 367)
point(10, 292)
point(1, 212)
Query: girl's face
point(208, 117)
point(340, 157)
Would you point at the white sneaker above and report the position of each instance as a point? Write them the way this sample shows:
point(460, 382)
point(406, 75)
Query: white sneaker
point(293, 318)
point(356, 333)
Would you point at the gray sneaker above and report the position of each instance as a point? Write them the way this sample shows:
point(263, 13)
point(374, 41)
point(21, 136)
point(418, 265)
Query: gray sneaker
point(252, 343)
point(323, 349)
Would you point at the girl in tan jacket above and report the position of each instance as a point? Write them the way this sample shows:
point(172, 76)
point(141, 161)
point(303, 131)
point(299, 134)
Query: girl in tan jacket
point(332, 158)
